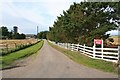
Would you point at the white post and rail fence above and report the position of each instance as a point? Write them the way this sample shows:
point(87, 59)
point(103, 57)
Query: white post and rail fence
point(107, 54)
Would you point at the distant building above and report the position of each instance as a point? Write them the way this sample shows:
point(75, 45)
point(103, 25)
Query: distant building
point(30, 36)
point(15, 29)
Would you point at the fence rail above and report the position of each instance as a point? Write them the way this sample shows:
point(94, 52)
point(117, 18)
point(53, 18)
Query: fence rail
point(107, 54)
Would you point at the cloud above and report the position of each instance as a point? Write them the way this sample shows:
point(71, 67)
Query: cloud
point(27, 19)
point(113, 32)
point(40, 0)
point(28, 14)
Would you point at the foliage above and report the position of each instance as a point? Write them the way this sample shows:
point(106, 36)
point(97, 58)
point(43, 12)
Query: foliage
point(111, 39)
point(42, 35)
point(10, 35)
point(83, 22)
point(4, 32)
point(19, 36)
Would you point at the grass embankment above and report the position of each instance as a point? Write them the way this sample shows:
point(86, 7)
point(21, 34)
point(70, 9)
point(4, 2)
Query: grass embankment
point(19, 47)
point(10, 46)
point(9, 59)
point(84, 60)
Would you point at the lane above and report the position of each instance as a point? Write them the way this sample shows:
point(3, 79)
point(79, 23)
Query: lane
point(51, 63)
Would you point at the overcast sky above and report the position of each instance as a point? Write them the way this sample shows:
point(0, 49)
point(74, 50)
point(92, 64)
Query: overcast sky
point(28, 14)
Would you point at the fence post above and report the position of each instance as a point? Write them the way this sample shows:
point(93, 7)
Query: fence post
point(72, 46)
point(77, 47)
point(59, 45)
point(94, 51)
point(102, 52)
point(119, 55)
point(102, 49)
point(67, 46)
point(84, 48)
point(118, 60)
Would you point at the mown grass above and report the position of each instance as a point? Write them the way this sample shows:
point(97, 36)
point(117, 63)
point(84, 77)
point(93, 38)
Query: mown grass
point(89, 62)
point(9, 59)
point(18, 47)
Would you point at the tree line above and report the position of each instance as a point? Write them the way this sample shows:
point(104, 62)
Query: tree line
point(42, 35)
point(83, 22)
point(5, 34)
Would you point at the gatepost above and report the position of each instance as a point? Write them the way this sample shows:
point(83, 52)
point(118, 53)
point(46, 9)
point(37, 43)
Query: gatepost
point(98, 41)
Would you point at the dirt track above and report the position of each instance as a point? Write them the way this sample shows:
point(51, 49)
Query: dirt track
point(51, 63)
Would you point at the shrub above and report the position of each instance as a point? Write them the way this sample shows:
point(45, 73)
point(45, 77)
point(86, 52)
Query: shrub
point(111, 39)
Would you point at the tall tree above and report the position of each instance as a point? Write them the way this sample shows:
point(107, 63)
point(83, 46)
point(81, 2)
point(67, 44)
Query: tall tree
point(83, 22)
point(6, 34)
point(4, 31)
point(42, 35)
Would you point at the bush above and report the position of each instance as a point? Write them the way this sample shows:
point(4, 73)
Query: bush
point(111, 39)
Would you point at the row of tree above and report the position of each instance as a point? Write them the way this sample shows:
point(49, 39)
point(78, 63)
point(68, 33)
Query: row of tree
point(83, 22)
point(42, 35)
point(5, 34)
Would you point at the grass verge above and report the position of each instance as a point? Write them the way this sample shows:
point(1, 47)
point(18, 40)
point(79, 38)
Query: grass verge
point(6, 51)
point(9, 59)
point(86, 61)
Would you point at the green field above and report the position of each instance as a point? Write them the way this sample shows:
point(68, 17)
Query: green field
point(9, 59)
point(84, 60)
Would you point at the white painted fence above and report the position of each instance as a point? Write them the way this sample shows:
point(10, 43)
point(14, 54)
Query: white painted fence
point(107, 54)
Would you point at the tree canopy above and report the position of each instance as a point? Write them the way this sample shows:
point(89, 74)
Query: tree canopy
point(42, 35)
point(4, 31)
point(10, 35)
point(85, 21)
